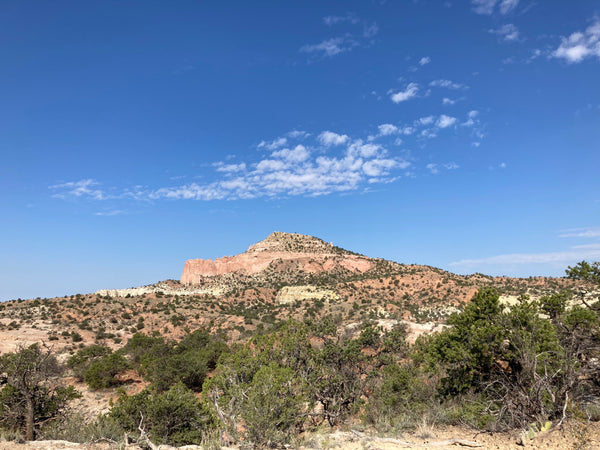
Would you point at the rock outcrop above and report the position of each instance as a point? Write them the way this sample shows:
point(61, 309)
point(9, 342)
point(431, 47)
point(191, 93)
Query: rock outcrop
point(309, 253)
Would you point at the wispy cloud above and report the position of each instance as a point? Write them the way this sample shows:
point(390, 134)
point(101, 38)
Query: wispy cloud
point(488, 7)
point(221, 167)
point(580, 45)
point(447, 84)
point(562, 258)
point(507, 32)
point(424, 60)
point(427, 120)
point(434, 169)
point(410, 92)
point(347, 42)
point(471, 119)
point(115, 212)
point(590, 232)
point(82, 188)
point(334, 20)
point(330, 47)
point(575, 253)
point(370, 30)
point(272, 145)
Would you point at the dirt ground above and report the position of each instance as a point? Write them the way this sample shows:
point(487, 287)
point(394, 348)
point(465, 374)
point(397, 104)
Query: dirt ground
point(573, 435)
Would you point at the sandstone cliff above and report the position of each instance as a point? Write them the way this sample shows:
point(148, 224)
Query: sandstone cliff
point(311, 254)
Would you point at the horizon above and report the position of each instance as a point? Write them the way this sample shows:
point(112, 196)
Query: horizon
point(136, 136)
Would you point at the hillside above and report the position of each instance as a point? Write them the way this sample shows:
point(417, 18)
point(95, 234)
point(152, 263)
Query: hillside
point(284, 276)
point(354, 320)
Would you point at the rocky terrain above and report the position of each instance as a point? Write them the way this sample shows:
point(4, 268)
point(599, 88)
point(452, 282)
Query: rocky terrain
point(284, 276)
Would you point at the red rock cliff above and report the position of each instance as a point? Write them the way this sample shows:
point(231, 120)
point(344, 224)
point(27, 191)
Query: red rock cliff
point(311, 254)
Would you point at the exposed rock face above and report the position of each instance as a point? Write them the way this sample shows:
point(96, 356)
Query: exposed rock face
point(153, 289)
point(290, 294)
point(310, 253)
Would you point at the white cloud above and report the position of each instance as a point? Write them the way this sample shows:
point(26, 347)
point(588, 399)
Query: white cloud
point(508, 5)
point(331, 47)
point(291, 172)
point(298, 154)
point(424, 60)
point(448, 101)
point(428, 120)
point(330, 138)
point(378, 167)
point(470, 119)
point(429, 133)
point(487, 7)
point(402, 96)
point(298, 134)
point(275, 144)
point(445, 121)
point(334, 20)
point(358, 148)
point(370, 30)
point(433, 168)
point(484, 6)
point(340, 44)
point(562, 258)
point(446, 84)
point(221, 167)
point(267, 165)
point(580, 45)
point(387, 128)
point(81, 188)
point(114, 212)
point(507, 32)
point(581, 232)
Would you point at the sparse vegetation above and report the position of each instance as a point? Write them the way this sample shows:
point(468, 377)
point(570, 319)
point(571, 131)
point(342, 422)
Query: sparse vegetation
point(266, 370)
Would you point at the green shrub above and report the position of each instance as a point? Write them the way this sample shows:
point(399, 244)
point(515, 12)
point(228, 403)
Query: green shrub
point(174, 417)
point(80, 362)
point(101, 373)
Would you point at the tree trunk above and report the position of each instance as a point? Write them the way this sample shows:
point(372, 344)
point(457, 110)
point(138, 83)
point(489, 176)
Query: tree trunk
point(29, 419)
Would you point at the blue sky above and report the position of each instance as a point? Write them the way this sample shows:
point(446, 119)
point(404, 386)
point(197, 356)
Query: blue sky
point(135, 135)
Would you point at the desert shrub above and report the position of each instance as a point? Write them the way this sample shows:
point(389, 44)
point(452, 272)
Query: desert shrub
point(401, 390)
point(76, 428)
point(272, 412)
point(81, 361)
point(101, 373)
point(325, 383)
point(521, 366)
point(187, 362)
point(174, 417)
point(141, 345)
point(32, 393)
point(468, 351)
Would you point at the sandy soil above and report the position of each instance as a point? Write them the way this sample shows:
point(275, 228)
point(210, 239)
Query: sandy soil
point(572, 435)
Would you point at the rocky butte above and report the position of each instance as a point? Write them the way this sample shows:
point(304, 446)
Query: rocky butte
point(310, 254)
